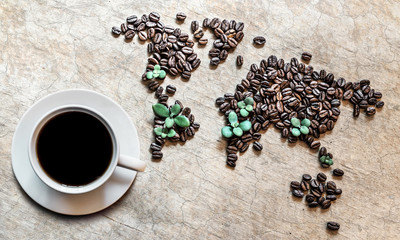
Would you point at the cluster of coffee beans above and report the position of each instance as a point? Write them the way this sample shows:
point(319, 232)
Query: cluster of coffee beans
point(319, 191)
point(285, 90)
point(182, 134)
point(170, 47)
point(228, 34)
point(325, 158)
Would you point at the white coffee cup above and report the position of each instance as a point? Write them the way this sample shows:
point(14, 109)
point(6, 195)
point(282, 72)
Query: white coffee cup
point(116, 160)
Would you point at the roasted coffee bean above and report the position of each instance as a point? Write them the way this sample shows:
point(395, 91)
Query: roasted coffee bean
point(313, 184)
point(198, 33)
point(215, 61)
point(142, 35)
point(331, 197)
point(306, 56)
point(310, 198)
point(206, 22)
point(370, 111)
point(321, 200)
point(321, 187)
point(223, 55)
point(304, 186)
point(159, 91)
point(315, 144)
point(116, 31)
point(307, 177)
point(298, 193)
point(257, 146)
point(259, 40)
point(331, 185)
point(322, 152)
point(313, 204)
point(203, 41)
point(239, 60)
point(219, 101)
point(379, 104)
point(155, 147)
point(231, 164)
point(316, 193)
point(123, 28)
point(333, 226)
point(330, 192)
point(190, 131)
point(356, 110)
point(256, 136)
point(180, 16)
point(163, 98)
point(326, 204)
point(295, 185)
point(157, 155)
point(131, 19)
point(194, 25)
point(232, 157)
point(154, 17)
point(129, 34)
point(186, 75)
point(338, 191)
point(232, 150)
point(321, 177)
point(338, 172)
point(171, 89)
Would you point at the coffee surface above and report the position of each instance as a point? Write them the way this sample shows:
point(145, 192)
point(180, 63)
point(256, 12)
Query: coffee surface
point(74, 148)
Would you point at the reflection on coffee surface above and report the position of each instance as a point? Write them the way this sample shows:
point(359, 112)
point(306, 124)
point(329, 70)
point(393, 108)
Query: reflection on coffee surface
point(74, 148)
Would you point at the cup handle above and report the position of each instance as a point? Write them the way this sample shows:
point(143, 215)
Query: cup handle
point(131, 163)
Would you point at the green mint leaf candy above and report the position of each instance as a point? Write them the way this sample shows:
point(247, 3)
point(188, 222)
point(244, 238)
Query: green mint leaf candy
point(169, 122)
point(163, 135)
point(330, 162)
point(162, 74)
point(157, 67)
point(249, 108)
point(232, 117)
point(296, 132)
point(236, 124)
point(171, 133)
point(304, 130)
point(149, 75)
point(245, 125)
point(227, 132)
point(249, 101)
point(175, 110)
point(306, 122)
point(155, 75)
point(244, 112)
point(322, 159)
point(182, 121)
point(160, 110)
point(241, 104)
point(295, 122)
point(158, 131)
point(238, 131)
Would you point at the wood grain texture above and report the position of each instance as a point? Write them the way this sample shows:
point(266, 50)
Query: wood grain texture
point(50, 46)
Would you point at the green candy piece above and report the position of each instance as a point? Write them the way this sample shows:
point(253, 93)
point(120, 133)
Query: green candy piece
point(330, 162)
point(245, 125)
point(295, 122)
point(296, 132)
point(236, 124)
point(162, 74)
point(158, 131)
point(227, 132)
point(232, 117)
point(171, 133)
point(169, 122)
point(322, 159)
point(241, 104)
point(306, 122)
point(149, 75)
point(304, 130)
point(244, 112)
point(157, 67)
point(175, 110)
point(249, 108)
point(182, 121)
point(238, 131)
point(163, 135)
point(249, 101)
point(155, 75)
point(160, 110)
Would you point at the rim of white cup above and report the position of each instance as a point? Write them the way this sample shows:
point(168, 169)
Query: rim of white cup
point(33, 158)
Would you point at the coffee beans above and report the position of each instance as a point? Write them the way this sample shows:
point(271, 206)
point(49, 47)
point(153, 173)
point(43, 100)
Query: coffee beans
point(333, 226)
point(257, 146)
point(259, 40)
point(321, 177)
point(338, 172)
point(306, 56)
point(239, 60)
point(181, 16)
point(116, 31)
point(171, 89)
point(298, 193)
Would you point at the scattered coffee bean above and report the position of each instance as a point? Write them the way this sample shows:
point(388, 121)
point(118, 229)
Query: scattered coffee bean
point(231, 164)
point(338, 172)
point(310, 198)
point(321, 177)
point(257, 146)
point(181, 16)
point(333, 226)
point(331, 185)
point(307, 177)
point(203, 41)
point(116, 31)
point(306, 56)
point(171, 89)
point(326, 204)
point(295, 185)
point(304, 186)
point(259, 40)
point(157, 155)
point(313, 204)
point(298, 193)
point(239, 60)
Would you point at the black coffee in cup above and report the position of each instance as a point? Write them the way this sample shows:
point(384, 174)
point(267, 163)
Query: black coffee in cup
point(74, 148)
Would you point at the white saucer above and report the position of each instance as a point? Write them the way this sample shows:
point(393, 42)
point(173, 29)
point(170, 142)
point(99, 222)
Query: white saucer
point(75, 204)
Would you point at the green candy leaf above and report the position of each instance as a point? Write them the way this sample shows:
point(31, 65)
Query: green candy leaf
point(241, 104)
point(160, 110)
point(330, 162)
point(158, 131)
point(322, 159)
point(156, 71)
point(236, 124)
point(249, 108)
point(162, 74)
point(157, 67)
point(163, 135)
point(245, 125)
point(155, 74)
point(175, 110)
point(232, 117)
point(306, 122)
point(169, 122)
point(244, 112)
point(249, 101)
point(238, 131)
point(227, 132)
point(171, 133)
point(304, 130)
point(149, 75)
point(295, 122)
point(182, 121)
point(296, 132)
